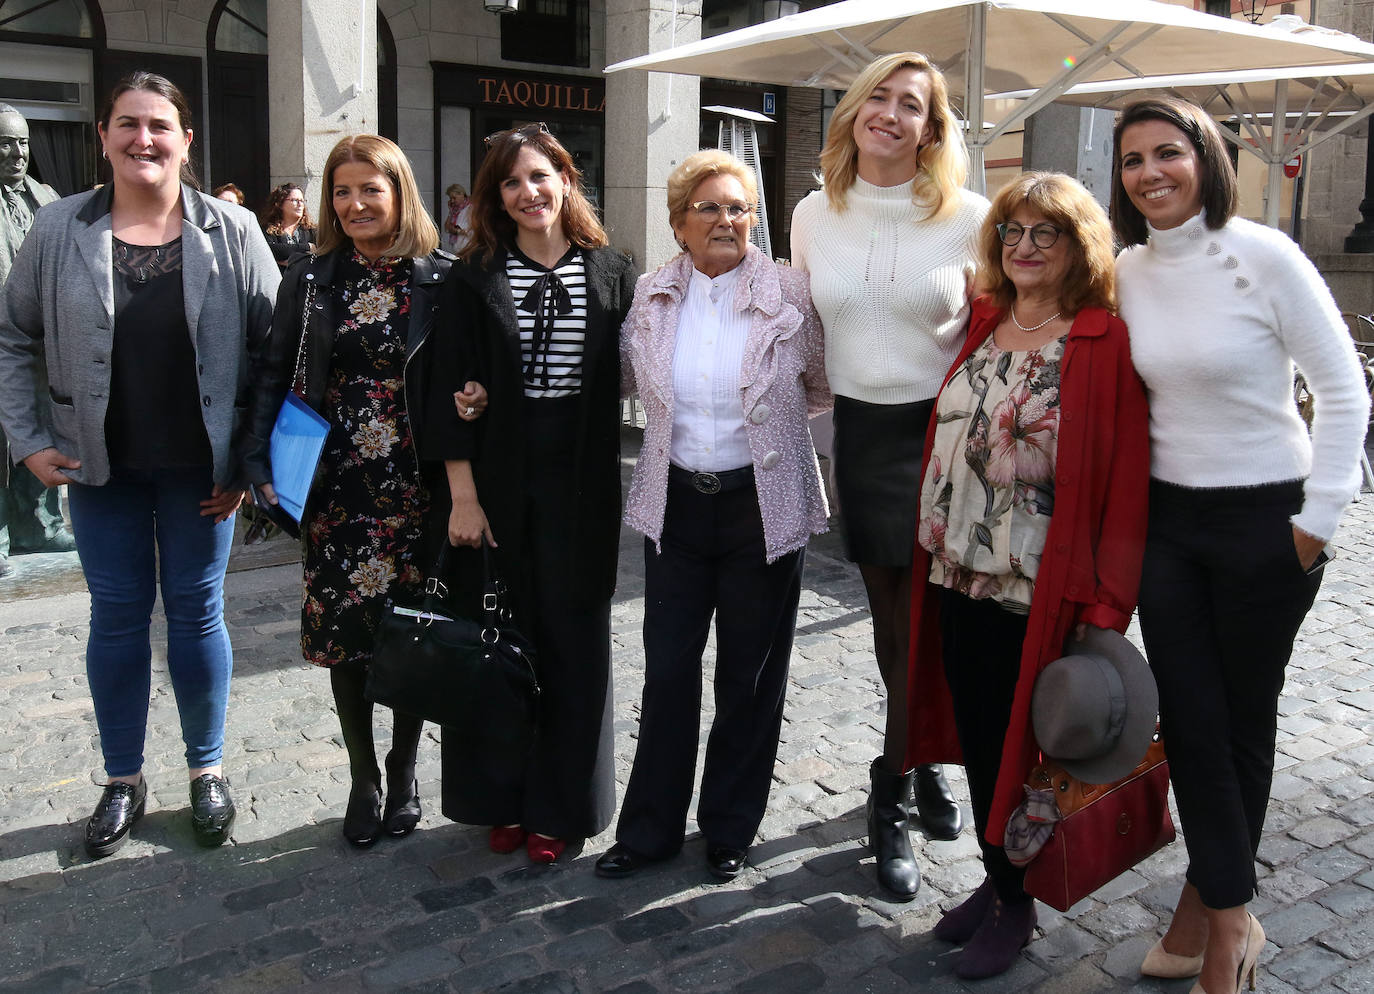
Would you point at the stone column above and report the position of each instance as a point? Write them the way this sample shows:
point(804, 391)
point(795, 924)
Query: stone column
point(322, 82)
point(652, 124)
point(1073, 140)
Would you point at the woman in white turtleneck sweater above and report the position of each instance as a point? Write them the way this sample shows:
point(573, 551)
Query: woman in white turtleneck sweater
point(1242, 501)
point(889, 245)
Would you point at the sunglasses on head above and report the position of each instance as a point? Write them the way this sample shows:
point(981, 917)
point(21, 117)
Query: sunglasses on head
point(524, 131)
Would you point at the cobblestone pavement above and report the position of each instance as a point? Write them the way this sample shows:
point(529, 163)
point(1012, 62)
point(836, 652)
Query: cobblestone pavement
point(290, 906)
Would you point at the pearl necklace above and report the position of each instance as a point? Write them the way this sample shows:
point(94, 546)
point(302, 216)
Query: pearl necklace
point(1035, 327)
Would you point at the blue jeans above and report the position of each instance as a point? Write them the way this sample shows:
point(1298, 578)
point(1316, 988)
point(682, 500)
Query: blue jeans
point(116, 526)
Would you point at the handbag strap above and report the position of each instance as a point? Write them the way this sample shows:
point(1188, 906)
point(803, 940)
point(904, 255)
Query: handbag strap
point(298, 378)
point(494, 595)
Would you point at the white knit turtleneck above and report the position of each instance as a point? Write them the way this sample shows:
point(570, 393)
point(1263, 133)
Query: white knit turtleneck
point(1216, 320)
point(890, 285)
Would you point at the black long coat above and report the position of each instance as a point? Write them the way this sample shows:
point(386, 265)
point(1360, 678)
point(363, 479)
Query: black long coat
point(563, 574)
point(477, 337)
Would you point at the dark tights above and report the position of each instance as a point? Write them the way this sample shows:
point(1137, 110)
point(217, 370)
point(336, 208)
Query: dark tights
point(355, 719)
point(889, 600)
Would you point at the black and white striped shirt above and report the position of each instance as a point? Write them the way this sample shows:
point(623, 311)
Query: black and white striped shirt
point(551, 305)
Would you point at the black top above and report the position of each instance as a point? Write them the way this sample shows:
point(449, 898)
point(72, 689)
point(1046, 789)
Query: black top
point(154, 419)
point(286, 248)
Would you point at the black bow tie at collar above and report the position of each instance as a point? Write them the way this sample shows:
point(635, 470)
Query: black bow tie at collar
point(546, 299)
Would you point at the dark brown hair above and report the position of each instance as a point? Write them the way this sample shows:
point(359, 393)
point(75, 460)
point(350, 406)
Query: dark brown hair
point(151, 82)
point(271, 216)
point(1090, 280)
point(493, 230)
point(1220, 195)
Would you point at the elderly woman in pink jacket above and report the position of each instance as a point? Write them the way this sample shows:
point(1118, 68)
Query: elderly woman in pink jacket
point(726, 352)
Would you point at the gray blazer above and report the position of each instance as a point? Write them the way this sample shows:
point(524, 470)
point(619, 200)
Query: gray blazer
point(57, 322)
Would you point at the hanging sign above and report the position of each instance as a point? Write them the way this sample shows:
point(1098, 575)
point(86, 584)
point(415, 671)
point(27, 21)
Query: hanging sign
point(770, 103)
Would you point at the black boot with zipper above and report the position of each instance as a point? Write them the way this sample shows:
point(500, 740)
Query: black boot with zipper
point(888, 836)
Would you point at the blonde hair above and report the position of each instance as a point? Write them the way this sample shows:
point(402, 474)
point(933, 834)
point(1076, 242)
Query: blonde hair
point(941, 164)
point(415, 232)
point(699, 166)
point(1090, 280)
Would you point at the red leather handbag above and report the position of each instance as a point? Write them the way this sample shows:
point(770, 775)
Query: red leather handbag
point(1104, 829)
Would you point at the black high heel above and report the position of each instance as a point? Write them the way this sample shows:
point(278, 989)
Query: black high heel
point(363, 818)
point(402, 813)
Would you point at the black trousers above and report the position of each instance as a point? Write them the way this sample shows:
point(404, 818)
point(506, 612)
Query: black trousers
point(1222, 596)
point(712, 563)
point(982, 655)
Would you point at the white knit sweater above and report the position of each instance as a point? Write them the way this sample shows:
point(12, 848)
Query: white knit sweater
point(890, 285)
point(1217, 319)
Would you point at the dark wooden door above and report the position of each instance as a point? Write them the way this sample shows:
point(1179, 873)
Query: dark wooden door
point(239, 135)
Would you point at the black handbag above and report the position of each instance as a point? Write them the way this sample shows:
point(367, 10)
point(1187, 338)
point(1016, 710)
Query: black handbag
point(475, 677)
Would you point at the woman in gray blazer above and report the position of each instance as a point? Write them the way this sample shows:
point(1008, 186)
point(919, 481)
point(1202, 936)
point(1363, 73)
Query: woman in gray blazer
point(129, 331)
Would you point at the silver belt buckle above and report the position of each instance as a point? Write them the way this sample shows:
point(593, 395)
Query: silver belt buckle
point(706, 483)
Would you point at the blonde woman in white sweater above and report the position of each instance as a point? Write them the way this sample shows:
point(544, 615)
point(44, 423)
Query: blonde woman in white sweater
point(1242, 501)
point(890, 245)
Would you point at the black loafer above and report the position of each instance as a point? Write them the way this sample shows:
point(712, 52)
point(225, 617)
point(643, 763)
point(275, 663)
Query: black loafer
point(620, 861)
point(120, 806)
point(363, 818)
point(212, 810)
point(725, 861)
point(402, 813)
point(940, 815)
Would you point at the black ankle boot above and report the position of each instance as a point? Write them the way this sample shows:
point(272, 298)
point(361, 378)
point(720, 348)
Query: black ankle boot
point(935, 804)
point(887, 831)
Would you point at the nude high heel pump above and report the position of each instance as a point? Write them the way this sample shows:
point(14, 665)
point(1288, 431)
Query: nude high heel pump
point(1254, 945)
point(1159, 962)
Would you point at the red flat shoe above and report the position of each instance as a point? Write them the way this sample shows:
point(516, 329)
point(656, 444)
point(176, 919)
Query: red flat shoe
point(544, 850)
point(506, 838)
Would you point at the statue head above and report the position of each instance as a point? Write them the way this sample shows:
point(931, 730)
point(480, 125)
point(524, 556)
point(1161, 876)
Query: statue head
point(14, 146)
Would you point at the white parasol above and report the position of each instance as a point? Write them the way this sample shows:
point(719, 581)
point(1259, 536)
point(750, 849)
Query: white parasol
point(991, 46)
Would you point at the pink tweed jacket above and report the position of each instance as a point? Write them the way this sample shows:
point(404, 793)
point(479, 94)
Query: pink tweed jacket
point(782, 381)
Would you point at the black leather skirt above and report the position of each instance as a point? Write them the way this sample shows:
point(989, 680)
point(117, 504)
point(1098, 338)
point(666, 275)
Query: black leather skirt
point(878, 450)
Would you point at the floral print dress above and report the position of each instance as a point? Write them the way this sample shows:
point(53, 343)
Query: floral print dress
point(368, 507)
point(988, 491)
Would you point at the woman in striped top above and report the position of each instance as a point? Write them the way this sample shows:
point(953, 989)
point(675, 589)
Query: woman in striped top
point(533, 314)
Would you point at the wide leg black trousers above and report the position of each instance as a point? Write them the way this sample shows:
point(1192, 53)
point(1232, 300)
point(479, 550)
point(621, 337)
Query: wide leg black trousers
point(712, 563)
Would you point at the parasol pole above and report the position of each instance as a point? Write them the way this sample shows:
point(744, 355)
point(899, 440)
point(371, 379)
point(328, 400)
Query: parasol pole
point(973, 96)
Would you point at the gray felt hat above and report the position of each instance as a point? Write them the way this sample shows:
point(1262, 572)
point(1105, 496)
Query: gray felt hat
point(1094, 710)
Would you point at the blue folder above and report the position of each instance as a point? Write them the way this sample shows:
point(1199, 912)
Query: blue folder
point(296, 444)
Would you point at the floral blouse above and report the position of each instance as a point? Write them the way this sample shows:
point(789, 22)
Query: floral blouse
point(988, 491)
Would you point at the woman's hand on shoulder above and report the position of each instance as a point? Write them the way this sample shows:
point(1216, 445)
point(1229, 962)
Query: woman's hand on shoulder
point(467, 524)
point(471, 401)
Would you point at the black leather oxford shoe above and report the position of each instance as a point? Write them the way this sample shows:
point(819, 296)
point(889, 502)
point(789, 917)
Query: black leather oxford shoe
point(620, 861)
point(120, 806)
point(212, 810)
point(725, 861)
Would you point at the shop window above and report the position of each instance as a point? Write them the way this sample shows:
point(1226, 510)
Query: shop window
point(54, 18)
point(1221, 8)
point(551, 32)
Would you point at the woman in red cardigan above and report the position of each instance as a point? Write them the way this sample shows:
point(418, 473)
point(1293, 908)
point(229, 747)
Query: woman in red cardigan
point(1031, 521)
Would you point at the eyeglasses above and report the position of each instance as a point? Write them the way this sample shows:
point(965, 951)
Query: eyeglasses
point(524, 131)
point(709, 210)
point(1042, 235)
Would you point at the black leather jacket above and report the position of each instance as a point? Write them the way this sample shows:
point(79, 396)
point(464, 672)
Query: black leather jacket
point(427, 276)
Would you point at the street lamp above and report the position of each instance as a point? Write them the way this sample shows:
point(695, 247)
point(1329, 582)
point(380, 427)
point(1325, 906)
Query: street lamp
point(502, 6)
point(1252, 9)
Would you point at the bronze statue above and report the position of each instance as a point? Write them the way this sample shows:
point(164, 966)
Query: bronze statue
point(30, 514)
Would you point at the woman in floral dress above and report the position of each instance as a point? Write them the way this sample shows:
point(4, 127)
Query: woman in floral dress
point(367, 297)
